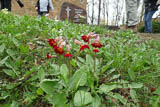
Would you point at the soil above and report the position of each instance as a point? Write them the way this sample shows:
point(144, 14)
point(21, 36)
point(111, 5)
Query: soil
point(148, 36)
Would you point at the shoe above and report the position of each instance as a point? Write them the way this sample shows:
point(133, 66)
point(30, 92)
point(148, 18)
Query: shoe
point(133, 28)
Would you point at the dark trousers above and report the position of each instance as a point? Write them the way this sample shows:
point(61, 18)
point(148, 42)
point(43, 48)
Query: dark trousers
point(6, 4)
point(148, 21)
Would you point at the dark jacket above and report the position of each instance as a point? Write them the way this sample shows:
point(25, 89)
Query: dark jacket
point(151, 5)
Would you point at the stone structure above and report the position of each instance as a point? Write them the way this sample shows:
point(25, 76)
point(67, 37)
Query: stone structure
point(59, 8)
point(72, 12)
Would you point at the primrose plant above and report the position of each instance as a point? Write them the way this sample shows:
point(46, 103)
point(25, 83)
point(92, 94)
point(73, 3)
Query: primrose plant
point(79, 76)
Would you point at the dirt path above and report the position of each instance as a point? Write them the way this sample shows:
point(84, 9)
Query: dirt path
point(147, 36)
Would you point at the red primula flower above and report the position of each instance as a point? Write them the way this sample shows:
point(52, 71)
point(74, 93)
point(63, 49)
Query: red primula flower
point(68, 55)
point(95, 50)
point(52, 42)
point(59, 50)
point(84, 47)
point(48, 56)
point(97, 44)
point(85, 38)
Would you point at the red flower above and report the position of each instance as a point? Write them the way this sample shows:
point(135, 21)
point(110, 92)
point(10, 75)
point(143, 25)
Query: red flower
point(84, 47)
point(85, 38)
point(68, 55)
point(95, 50)
point(97, 44)
point(59, 50)
point(52, 42)
point(48, 56)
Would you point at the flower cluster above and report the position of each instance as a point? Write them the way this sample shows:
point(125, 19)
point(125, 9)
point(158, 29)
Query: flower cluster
point(86, 38)
point(58, 46)
point(59, 43)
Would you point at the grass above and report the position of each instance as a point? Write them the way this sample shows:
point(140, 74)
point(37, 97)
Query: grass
point(124, 73)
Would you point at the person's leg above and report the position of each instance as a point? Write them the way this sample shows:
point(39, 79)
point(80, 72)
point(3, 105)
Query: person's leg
point(149, 22)
point(40, 14)
point(132, 17)
point(7, 4)
point(145, 21)
point(0, 4)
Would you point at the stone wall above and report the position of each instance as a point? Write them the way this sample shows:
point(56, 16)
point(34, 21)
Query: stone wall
point(29, 7)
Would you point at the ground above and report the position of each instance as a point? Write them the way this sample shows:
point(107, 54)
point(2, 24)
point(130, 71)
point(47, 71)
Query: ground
point(147, 36)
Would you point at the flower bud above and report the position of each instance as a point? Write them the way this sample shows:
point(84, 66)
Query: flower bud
point(62, 44)
point(68, 47)
point(77, 42)
point(58, 38)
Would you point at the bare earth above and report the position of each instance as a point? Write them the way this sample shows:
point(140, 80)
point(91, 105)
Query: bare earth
point(147, 36)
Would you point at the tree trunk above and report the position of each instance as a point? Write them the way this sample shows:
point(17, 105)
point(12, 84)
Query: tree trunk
point(99, 12)
point(92, 12)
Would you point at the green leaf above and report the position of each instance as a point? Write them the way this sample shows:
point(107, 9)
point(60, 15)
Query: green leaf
point(15, 41)
point(157, 92)
point(131, 75)
point(14, 104)
point(135, 85)
point(34, 69)
point(65, 72)
point(96, 102)
point(89, 61)
point(121, 98)
point(81, 59)
point(40, 91)
point(82, 98)
point(10, 73)
point(156, 102)
point(24, 49)
point(79, 78)
point(73, 62)
point(3, 60)
point(4, 95)
point(10, 64)
point(107, 88)
point(11, 53)
point(48, 86)
point(5, 105)
point(41, 74)
point(107, 66)
point(58, 99)
point(2, 47)
point(134, 95)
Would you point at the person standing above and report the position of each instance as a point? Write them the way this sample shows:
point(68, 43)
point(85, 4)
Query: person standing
point(43, 7)
point(7, 4)
point(132, 16)
point(151, 6)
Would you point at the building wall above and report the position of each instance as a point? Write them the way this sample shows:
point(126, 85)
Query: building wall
point(29, 7)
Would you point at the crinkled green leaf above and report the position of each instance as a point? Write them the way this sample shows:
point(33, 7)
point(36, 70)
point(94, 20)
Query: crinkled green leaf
point(79, 78)
point(9, 72)
point(2, 47)
point(48, 86)
point(82, 98)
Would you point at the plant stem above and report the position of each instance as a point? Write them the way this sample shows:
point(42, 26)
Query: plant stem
point(95, 62)
point(69, 67)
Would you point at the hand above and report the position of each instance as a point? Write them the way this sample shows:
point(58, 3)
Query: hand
point(36, 8)
point(47, 15)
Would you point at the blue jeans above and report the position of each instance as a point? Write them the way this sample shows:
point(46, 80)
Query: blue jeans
point(148, 21)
